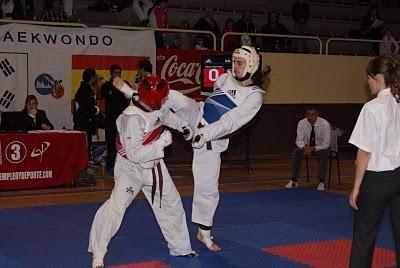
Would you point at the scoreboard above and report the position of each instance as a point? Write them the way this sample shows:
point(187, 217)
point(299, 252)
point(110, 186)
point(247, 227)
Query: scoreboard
point(212, 66)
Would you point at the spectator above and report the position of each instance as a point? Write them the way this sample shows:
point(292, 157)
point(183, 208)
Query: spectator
point(200, 44)
point(28, 8)
point(245, 25)
point(245, 40)
point(185, 39)
point(108, 5)
point(84, 117)
point(115, 103)
point(230, 41)
point(55, 13)
point(141, 9)
point(117, 5)
point(11, 10)
point(37, 8)
point(275, 44)
point(175, 43)
point(300, 14)
point(68, 7)
point(207, 23)
point(371, 27)
point(313, 138)
point(32, 117)
point(158, 18)
point(389, 44)
point(34, 9)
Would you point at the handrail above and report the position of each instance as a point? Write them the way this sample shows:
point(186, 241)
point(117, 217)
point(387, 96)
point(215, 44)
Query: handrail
point(273, 35)
point(346, 40)
point(46, 23)
point(173, 30)
point(349, 40)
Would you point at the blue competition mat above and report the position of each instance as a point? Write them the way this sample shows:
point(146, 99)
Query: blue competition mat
point(254, 229)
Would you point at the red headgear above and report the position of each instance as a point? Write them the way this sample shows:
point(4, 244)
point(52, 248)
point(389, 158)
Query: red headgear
point(152, 91)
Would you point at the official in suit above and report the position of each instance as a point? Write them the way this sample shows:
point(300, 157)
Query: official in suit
point(313, 138)
point(32, 117)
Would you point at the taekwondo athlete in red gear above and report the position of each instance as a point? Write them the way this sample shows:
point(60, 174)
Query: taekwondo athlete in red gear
point(236, 99)
point(140, 167)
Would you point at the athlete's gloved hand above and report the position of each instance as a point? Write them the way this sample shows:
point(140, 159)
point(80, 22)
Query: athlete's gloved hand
point(187, 132)
point(120, 84)
point(165, 138)
point(198, 141)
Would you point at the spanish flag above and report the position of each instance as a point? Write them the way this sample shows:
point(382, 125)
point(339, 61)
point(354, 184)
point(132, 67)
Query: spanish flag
point(101, 64)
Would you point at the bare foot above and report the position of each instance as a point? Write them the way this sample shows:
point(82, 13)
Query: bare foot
point(98, 263)
point(208, 242)
point(214, 247)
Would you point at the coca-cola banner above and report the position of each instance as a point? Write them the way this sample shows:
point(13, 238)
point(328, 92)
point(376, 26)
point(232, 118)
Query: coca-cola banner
point(181, 68)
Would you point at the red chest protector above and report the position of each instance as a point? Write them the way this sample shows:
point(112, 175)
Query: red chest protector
point(148, 138)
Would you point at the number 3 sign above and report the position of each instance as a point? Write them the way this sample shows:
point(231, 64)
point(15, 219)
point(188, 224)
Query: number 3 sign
point(15, 152)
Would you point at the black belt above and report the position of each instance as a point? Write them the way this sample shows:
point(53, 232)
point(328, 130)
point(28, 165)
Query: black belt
point(160, 185)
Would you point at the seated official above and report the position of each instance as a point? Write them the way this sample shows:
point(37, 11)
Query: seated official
point(32, 118)
point(313, 138)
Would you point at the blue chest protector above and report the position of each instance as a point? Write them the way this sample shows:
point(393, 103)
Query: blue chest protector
point(216, 105)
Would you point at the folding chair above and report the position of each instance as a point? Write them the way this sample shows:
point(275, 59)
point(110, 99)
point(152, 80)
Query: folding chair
point(334, 154)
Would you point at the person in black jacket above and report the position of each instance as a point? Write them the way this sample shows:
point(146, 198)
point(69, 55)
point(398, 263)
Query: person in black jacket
point(115, 104)
point(32, 117)
point(11, 9)
point(275, 44)
point(371, 27)
point(300, 14)
point(208, 23)
point(245, 25)
point(84, 117)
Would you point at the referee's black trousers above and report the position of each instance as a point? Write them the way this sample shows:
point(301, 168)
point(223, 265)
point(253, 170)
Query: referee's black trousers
point(378, 190)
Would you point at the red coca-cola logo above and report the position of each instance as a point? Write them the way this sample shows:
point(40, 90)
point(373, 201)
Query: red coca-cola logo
point(183, 76)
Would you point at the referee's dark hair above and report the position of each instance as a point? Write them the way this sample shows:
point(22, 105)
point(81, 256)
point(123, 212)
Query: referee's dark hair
point(389, 66)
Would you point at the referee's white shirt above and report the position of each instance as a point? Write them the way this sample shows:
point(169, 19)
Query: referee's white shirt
point(377, 131)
